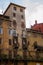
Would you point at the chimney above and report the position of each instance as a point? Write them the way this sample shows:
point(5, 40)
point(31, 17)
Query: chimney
point(35, 21)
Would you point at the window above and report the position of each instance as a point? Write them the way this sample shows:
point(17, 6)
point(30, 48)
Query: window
point(14, 8)
point(15, 41)
point(22, 24)
point(24, 41)
point(14, 14)
point(10, 31)
point(10, 54)
point(15, 53)
point(0, 22)
point(14, 23)
point(22, 16)
point(10, 41)
point(1, 31)
point(14, 32)
point(21, 10)
point(0, 40)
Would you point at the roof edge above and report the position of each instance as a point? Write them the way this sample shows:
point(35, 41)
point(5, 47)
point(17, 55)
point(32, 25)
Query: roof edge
point(12, 4)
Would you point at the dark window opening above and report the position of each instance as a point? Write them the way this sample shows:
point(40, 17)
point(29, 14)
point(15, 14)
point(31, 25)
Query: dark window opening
point(10, 42)
point(24, 44)
point(25, 54)
point(0, 22)
point(15, 43)
point(0, 40)
point(14, 14)
point(14, 23)
point(22, 24)
point(10, 54)
point(14, 8)
point(15, 53)
point(22, 16)
point(1, 30)
point(21, 10)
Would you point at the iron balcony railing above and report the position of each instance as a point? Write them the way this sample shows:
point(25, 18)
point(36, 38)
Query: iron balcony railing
point(30, 55)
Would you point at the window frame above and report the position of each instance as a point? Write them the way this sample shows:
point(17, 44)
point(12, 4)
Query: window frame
point(14, 14)
point(15, 8)
point(10, 42)
point(10, 32)
point(0, 40)
point(1, 30)
point(21, 10)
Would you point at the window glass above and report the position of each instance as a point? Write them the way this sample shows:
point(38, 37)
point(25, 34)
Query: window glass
point(22, 16)
point(1, 31)
point(14, 8)
point(0, 22)
point(10, 41)
point(21, 10)
point(0, 40)
point(22, 24)
point(14, 31)
point(14, 23)
point(14, 14)
point(10, 31)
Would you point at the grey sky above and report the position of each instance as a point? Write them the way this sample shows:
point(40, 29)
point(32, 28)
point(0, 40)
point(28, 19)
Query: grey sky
point(34, 9)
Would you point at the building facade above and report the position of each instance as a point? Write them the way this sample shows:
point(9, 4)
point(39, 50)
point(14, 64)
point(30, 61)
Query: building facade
point(16, 42)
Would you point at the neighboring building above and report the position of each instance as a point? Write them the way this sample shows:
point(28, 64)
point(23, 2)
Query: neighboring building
point(38, 26)
point(35, 40)
point(18, 45)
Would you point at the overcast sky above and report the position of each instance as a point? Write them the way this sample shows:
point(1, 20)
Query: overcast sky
point(34, 9)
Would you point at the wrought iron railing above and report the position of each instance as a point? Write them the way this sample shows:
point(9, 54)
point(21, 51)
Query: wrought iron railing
point(31, 55)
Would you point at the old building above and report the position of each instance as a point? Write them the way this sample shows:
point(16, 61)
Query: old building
point(35, 40)
point(18, 45)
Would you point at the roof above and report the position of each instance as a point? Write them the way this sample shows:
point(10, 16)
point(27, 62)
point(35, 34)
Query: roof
point(33, 31)
point(38, 27)
point(13, 4)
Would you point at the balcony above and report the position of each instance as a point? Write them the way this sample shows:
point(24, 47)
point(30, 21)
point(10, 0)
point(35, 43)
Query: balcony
point(24, 44)
point(15, 46)
point(31, 56)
